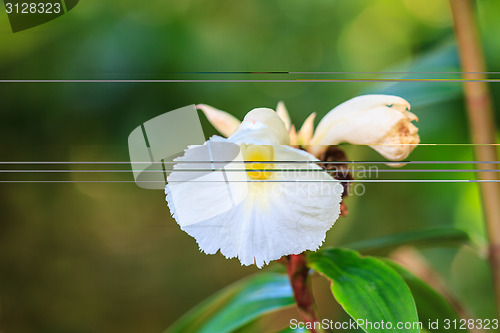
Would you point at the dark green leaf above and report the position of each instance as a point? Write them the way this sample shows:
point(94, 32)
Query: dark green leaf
point(436, 65)
point(382, 245)
point(237, 305)
point(431, 306)
point(367, 289)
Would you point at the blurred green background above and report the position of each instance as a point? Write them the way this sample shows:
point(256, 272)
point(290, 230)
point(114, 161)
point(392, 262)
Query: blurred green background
point(107, 257)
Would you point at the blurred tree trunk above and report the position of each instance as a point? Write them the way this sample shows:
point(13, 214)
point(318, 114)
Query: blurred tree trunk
point(481, 124)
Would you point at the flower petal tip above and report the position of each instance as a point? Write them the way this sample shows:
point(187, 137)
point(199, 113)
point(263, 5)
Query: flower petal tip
point(283, 113)
point(307, 130)
point(223, 122)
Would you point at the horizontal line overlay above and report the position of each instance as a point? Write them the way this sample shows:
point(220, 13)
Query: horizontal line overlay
point(269, 181)
point(305, 80)
point(252, 170)
point(276, 162)
point(331, 72)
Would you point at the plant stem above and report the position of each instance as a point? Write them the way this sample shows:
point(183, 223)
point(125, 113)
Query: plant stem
point(481, 124)
point(298, 273)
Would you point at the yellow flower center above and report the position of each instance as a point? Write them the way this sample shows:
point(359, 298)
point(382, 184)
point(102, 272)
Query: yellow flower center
point(258, 153)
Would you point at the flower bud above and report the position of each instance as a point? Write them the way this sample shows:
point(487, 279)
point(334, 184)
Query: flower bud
point(382, 122)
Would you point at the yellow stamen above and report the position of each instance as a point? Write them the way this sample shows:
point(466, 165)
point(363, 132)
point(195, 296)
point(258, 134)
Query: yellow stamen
point(258, 153)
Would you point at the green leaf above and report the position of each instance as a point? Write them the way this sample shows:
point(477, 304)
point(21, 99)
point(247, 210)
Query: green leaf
point(435, 64)
point(431, 306)
point(237, 305)
point(438, 236)
point(367, 289)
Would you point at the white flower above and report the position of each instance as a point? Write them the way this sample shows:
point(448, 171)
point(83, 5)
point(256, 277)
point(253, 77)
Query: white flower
point(383, 122)
point(257, 212)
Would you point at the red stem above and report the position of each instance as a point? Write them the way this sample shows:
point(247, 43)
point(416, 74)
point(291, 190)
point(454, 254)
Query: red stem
point(298, 273)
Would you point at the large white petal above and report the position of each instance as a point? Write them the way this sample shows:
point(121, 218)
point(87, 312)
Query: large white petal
point(288, 215)
point(202, 187)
